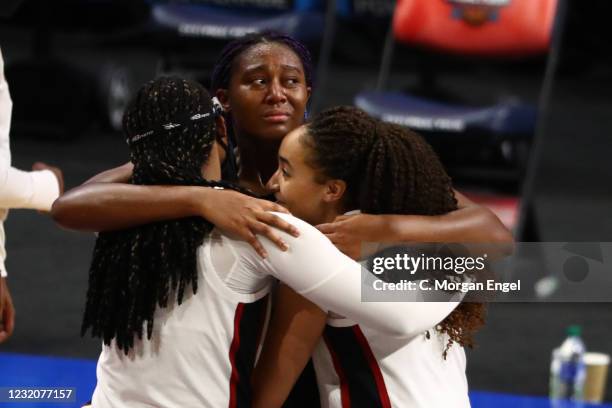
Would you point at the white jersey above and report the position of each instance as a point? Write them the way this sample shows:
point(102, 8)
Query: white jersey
point(357, 366)
point(202, 352)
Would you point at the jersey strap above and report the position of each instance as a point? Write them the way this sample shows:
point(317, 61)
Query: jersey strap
point(361, 380)
point(248, 322)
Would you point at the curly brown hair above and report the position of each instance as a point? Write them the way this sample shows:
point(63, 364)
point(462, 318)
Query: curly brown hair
point(388, 169)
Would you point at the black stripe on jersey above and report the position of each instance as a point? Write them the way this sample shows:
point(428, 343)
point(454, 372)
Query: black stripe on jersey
point(248, 321)
point(360, 372)
point(305, 392)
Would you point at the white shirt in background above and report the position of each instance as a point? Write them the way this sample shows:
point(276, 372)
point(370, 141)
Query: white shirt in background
point(18, 189)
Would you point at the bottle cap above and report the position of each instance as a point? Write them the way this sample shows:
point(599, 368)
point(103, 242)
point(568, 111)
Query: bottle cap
point(574, 330)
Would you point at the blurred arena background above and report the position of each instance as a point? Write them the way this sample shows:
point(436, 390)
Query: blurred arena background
point(72, 65)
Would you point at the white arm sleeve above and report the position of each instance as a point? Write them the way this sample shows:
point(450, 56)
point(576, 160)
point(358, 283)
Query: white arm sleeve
point(36, 190)
point(317, 270)
point(20, 189)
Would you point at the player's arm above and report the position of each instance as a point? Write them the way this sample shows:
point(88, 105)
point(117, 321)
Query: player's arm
point(469, 223)
point(34, 190)
point(295, 328)
point(21, 189)
point(120, 174)
point(101, 206)
point(315, 269)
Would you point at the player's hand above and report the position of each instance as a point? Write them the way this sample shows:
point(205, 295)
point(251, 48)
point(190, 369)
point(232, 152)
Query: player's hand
point(7, 312)
point(349, 232)
point(55, 170)
point(246, 217)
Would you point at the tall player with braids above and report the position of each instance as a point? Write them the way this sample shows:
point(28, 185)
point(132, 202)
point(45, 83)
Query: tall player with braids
point(345, 160)
point(123, 259)
point(180, 306)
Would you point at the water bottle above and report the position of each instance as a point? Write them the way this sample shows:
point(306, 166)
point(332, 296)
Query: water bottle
point(567, 370)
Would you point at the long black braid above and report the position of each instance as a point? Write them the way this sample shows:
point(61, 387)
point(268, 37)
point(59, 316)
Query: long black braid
point(136, 270)
point(388, 169)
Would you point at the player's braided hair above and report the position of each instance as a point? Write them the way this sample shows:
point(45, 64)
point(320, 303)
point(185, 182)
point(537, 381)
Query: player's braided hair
point(134, 271)
point(388, 169)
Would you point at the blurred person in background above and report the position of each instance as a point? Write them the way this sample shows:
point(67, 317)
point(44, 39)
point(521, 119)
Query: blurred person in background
point(35, 190)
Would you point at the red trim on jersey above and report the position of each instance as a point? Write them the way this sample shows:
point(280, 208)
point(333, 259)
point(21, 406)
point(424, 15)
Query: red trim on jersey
point(344, 388)
point(378, 377)
point(235, 377)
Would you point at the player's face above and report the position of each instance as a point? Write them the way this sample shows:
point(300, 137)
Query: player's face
point(267, 93)
point(295, 183)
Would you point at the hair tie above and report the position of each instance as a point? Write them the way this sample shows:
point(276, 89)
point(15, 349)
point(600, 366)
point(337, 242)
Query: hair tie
point(217, 108)
point(179, 121)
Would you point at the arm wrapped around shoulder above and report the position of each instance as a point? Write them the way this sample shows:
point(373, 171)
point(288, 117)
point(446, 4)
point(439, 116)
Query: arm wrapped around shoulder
point(314, 268)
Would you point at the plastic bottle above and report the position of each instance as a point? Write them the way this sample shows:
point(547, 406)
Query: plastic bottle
point(567, 370)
